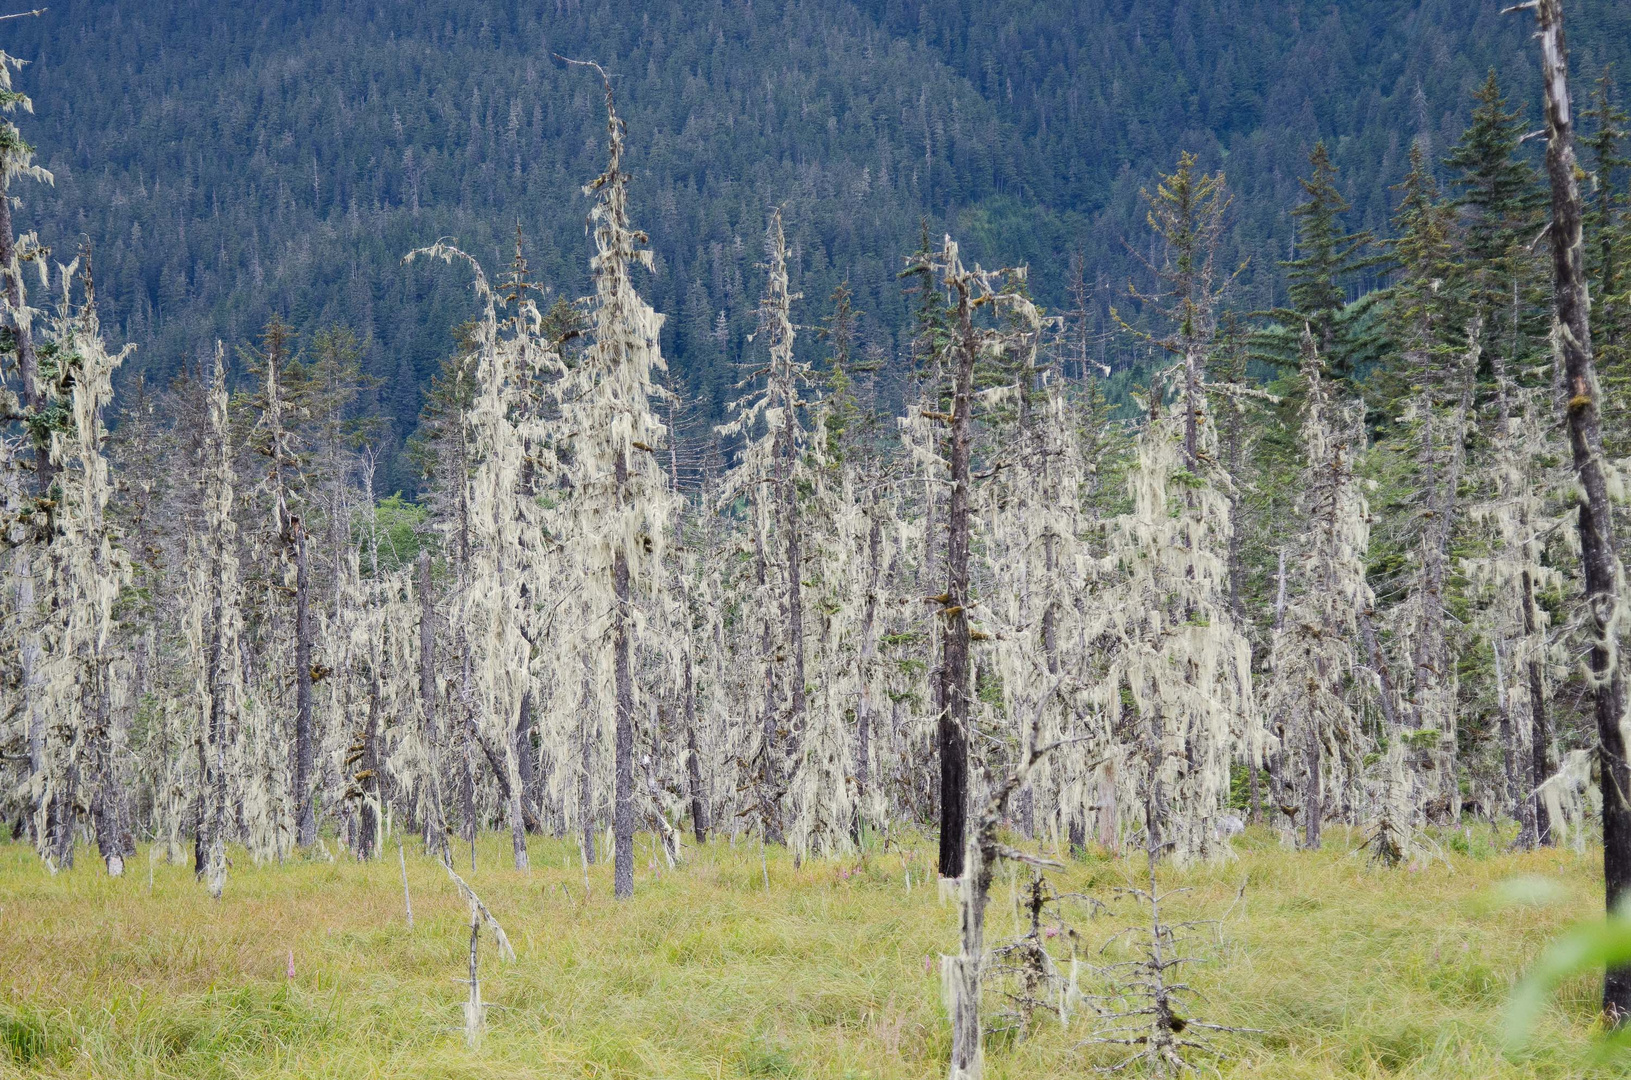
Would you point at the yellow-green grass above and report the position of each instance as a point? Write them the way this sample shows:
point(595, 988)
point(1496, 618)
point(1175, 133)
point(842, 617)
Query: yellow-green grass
point(1348, 970)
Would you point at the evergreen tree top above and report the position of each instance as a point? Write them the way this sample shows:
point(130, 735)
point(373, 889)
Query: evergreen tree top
point(1498, 188)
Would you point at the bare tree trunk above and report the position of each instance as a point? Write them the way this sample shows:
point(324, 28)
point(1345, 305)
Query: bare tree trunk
point(1512, 800)
point(1599, 550)
point(930, 500)
point(1378, 665)
point(954, 666)
point(1541, 765)
point(110, 817)
point(693, 757)
point(1254, 811)
point(305, 797)
point(1276, 763)
point(770, 796)
point(688, 692)
point(693, 766)
point(526, 768)
point(964, 971)
point(623, 763)
point(212, 778)
point(795, 592)
point(427, 701)
point(1430, 623)
point(586, 800)
point(1313, 805)
point(869, 650)
point(368, 826)
point(518, 815)
point(28, 655)
point(623, 760)
point(468, 742)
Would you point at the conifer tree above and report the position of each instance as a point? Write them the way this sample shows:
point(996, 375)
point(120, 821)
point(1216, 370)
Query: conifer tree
point(969, 340)
point(621, 500)
point(83, 683)
point(1187, 211)
point(17, 162)
point(769, 473)
point(278, 406)
point(1317, 279)
point(1500, 204)
point(213, 622)
point(1314, 646)
point(1607, 228)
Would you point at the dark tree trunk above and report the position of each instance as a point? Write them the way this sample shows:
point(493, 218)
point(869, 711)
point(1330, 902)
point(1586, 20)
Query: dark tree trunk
point(305, 797)
point(795, 589)
point(1254, 812)
point(110, 817)
point(869, 650)
point(1378, 665)
point(1277, 779)
point(954, 662)
point(526, 768)
point(699, 801)
point(1192, 407)
point(501, 775)
point(1510, 797)
point(437, 820)
point(693, 757)
point(1541, 765)
point(368, 826)
point(61, 821)
point(212, 774)
point(1313, 806)
point(770, 778)
point(586, 748)
point(1598, 548)
point(623, 762)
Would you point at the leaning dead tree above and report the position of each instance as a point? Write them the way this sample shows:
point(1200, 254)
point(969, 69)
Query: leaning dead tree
point(475, 1010)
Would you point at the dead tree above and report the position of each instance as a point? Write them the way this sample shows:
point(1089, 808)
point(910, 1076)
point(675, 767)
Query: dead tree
point(1598, 547)
point(622, 500)
point(972, 290)
point(982, 849)
point(1148, 1018)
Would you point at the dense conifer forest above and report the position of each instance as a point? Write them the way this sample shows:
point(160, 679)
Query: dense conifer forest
point(232, 162)
point(1017, 440)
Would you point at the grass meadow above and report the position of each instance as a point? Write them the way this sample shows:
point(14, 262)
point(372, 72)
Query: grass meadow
point(309, 969)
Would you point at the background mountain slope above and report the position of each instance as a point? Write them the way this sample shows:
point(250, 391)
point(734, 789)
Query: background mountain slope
point(231, 161)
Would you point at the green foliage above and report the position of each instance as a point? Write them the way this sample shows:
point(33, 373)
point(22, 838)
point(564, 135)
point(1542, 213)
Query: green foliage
point(1317, 280)
point(1586, 949)
point(26, 1037)
point(399, 528)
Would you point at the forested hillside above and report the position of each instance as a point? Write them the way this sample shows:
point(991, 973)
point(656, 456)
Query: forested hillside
point(232, 161)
